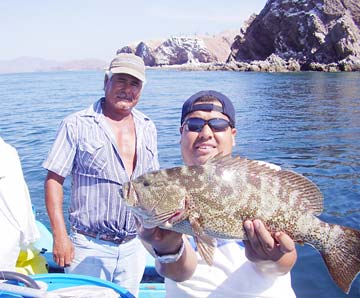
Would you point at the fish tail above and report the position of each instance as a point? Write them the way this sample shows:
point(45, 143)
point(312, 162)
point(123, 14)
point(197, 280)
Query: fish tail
point(342, 256)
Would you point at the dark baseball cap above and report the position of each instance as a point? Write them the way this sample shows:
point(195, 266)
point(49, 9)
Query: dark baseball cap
point(191, 105)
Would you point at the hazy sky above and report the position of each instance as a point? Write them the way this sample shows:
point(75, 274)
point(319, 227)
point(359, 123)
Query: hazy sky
point(79, 29)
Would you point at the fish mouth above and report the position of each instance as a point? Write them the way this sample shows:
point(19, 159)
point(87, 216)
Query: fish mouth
point(144, 219)
point(133, 203)
point(130, 193)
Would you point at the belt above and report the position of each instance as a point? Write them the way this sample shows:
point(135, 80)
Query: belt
point(106, 237)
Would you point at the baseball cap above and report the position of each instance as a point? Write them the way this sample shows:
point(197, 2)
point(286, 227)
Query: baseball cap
point(191, 105)
point(129, 64)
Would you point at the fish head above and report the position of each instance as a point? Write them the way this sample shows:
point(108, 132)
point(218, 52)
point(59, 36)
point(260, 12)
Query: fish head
point(156, 197)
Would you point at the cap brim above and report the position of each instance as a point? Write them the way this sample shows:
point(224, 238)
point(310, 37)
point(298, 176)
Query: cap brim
point(129, 71)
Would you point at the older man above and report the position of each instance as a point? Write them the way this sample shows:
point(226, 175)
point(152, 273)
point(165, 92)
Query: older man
point(102, 147)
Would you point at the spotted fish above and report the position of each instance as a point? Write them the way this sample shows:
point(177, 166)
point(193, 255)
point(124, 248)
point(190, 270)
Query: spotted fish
point(213, 200)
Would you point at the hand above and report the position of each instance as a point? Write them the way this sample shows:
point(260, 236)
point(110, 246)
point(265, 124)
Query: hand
point(169, 242)
point(164, 241)
point(63, 251)
point(262, 246)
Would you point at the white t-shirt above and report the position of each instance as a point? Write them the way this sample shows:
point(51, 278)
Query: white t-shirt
point(17, 222)
point(232, 275)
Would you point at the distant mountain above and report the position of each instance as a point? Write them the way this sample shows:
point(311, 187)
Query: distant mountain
point(34, 64)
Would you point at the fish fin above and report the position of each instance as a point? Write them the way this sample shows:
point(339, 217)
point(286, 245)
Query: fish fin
point(205, 243)
point(308, 195)
point(219, 158)
point(301, 190)
point(195, 222)
point(194, 219)
point(206, 248)
point(343, 258)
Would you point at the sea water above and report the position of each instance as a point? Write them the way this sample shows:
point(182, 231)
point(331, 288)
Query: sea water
point(306, 122)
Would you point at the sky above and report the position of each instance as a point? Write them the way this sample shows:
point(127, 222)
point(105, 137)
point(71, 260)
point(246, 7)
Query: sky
point(81, 29)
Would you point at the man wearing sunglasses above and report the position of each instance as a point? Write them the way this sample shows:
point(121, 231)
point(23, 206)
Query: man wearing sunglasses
point(257, 267)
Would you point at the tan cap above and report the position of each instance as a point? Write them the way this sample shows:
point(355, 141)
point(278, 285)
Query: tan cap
point(129, 64)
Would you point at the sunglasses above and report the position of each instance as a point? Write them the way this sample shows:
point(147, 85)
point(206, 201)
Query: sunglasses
point(197, 124)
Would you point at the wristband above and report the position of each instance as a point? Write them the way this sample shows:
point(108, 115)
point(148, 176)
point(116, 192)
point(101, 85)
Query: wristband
point(171, 258)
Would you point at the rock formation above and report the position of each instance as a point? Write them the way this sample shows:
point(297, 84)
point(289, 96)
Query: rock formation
point(184, 50)
point(301, 35)
point(287, 35)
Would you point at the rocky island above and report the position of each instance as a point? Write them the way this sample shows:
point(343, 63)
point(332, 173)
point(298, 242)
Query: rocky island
point(287, 35)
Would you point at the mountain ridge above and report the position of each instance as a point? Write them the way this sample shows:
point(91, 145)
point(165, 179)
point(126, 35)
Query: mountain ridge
point(37, 64)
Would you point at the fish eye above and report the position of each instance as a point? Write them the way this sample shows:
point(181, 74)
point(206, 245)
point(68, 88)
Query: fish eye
point(146, 183)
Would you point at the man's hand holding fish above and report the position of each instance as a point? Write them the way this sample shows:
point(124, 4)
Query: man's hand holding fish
point(269, 253)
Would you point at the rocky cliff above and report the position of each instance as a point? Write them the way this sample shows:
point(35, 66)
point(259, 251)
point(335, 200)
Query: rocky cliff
point(302, 34)
point(184, 50)
point(287, 35)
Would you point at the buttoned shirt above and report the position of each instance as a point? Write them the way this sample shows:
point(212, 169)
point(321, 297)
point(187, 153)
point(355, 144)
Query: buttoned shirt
point(85, 147)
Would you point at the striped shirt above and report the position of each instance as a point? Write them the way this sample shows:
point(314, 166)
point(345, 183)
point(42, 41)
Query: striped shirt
point(85, 146)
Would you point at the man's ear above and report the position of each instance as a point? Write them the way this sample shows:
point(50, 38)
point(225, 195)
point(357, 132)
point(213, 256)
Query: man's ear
point(181, 129)
point(233, 134)
point(106, 79)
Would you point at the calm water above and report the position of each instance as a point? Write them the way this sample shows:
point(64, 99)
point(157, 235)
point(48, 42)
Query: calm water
point(307, 122)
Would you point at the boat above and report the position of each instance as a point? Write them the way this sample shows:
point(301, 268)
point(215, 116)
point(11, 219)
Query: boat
point(152, 284)
point(58, 285)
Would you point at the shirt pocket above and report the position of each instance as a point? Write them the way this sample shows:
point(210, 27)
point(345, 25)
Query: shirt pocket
point(91, 158)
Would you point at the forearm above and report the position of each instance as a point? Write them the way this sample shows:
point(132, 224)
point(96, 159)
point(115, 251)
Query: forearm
point(183, 268)
point(167, 244)
point(54, 204)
